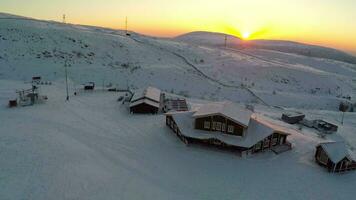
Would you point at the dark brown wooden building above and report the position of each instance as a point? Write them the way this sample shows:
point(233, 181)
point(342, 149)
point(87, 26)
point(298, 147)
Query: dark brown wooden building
point(334, 156)
point(146, 101)
point(230, 127)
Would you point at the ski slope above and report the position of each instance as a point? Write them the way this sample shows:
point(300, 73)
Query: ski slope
point(108, 57)
point(92, 148)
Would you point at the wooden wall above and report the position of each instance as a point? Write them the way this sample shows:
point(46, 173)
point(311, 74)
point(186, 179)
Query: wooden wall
point(238, 129)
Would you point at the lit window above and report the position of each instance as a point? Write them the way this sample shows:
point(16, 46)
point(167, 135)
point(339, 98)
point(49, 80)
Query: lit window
point(207, 124)
point(218, 126)
point(230, 129)
point(213, 125)
point(258, 146)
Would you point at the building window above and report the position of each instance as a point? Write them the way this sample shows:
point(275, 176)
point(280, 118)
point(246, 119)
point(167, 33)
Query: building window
point(258, 146)
point(223, 127)
point(207, 125)
point(218, 126)
point(213, 126)
point(230, 129)
point(266, 143)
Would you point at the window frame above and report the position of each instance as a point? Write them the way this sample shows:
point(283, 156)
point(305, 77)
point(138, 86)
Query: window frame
point(206, 125)
point(230, 129)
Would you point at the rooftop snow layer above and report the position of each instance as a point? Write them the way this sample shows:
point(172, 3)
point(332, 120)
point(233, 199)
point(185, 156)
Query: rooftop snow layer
point(335, 150)
point(235, 112)
point(145, 101)
point(150, 93)
point(258, 129)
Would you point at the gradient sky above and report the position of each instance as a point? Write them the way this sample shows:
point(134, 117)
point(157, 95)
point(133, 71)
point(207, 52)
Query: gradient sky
point(324, 22)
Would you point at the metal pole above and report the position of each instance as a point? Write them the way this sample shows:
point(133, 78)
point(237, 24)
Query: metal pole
point(65, 67)
point(342, 120)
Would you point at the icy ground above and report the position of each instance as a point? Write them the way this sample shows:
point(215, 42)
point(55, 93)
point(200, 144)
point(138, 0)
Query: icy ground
point(92, 148)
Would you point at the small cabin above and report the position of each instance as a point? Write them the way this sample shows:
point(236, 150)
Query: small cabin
point(146, 101)
point(229, 126)
point(36, 79)
point(89, 86)
point(334, 156)
point(292, 117)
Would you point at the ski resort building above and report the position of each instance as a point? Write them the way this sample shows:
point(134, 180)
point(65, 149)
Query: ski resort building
point(229, 126)
point(146, 101)
point(334, 156)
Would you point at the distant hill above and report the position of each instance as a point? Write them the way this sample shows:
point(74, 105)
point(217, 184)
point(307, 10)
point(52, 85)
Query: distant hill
point(217, 39)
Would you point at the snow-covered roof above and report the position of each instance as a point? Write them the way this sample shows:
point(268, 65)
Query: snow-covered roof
point(145, 101)
point(258, 130)
point(336, 150)
point(236, 113)
point(149, 92)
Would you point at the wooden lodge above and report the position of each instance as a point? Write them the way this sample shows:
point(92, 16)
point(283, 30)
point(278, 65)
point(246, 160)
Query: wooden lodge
point(335, 157)
point(146, 101)
point(228, 126)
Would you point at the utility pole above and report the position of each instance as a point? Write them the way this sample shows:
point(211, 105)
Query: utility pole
point(64, 18)
point(66, 72)
point(225, 41)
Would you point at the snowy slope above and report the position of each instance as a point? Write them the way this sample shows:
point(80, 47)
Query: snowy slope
point(218, 39)
point(31, 47)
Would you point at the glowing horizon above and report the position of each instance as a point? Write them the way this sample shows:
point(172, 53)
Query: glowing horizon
point(321, 22)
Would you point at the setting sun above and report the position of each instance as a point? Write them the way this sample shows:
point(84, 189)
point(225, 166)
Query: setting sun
point(246, 35)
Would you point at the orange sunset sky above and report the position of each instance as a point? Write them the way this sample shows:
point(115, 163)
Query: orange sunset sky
point(329, 23)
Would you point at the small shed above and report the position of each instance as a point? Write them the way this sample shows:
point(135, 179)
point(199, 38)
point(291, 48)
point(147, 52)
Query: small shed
point(12, 103)
point(334, 156)
point(36, 79)
point(292, 117)
point(89, 86)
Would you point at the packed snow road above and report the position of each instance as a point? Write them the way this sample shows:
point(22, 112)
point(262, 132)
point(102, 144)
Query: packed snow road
point(92, 148)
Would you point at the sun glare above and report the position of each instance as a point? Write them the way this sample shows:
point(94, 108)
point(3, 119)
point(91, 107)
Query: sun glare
point(245, 35)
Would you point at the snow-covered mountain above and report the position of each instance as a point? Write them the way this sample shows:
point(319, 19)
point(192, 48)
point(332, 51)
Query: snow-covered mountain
point(31, 47)
point(218, 39)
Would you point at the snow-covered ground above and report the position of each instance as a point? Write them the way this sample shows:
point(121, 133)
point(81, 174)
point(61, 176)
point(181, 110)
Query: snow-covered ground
point(92, 148)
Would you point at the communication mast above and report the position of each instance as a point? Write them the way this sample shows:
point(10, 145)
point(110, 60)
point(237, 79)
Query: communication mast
point(126, 31)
